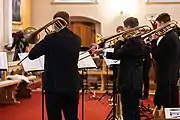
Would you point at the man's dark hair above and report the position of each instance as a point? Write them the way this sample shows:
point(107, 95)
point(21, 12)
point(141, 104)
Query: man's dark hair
point(120, 28)
point(63, 15)
point(131, 22)
point(163, 17)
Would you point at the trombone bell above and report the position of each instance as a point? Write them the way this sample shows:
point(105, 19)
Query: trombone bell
point(31, 35)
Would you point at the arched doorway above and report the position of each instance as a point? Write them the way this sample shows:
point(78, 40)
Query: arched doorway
point(86, 28)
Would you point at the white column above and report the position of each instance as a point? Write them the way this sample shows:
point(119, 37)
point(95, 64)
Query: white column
point(7, 22)
point(1, 25)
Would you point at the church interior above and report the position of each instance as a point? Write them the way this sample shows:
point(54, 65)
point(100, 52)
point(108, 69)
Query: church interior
point(21, 85)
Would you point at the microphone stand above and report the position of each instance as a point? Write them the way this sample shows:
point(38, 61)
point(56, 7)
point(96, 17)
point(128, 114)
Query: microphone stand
point(42, 94)
point(110, 55)
point(82, 85)
point(113, 110)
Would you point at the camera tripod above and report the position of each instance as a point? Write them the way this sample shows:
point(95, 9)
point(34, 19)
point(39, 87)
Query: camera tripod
point(144, 111)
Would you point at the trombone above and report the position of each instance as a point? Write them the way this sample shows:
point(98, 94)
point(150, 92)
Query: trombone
point(125, 35)
point(58, 22)
point(162, 30)
point(31, 36)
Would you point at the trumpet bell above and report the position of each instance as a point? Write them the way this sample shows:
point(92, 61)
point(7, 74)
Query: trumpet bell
point(29, 36)
point(151, 18)
point(99, 38)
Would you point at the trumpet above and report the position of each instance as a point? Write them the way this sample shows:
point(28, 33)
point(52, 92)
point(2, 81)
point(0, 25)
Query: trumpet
point(125, 35)
point(31, 35)
point(162, 30)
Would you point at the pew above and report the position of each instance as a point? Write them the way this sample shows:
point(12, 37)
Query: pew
point(7, 91)
point(24, 88)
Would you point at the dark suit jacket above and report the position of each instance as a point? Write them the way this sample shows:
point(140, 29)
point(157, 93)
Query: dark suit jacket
point(166, 55)
point(61, 52)
point(131, 56)
point(147, 59)
point(177, 30)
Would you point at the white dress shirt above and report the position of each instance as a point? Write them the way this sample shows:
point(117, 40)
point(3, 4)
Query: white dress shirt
point(159, 39)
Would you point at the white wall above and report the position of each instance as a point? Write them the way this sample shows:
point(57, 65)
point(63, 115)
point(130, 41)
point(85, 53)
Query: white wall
point(106, 11)
point(1, 25)
point(7, 30)
point(5, 23)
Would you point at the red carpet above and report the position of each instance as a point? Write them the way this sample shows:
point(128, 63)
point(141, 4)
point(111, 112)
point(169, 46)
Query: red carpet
point(30, 109)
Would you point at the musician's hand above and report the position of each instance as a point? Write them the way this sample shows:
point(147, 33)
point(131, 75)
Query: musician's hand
point(7, 47)
point(147, 43)
point(28, 49)
point(95, 56)
point(154, 36)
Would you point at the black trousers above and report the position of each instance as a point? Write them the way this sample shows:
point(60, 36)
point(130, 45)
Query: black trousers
point(146, 80)
point(166, 96)
point(130, 104)
point(58, 102)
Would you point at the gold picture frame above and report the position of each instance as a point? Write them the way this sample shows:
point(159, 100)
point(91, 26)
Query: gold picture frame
point(162, 1)
point(16, 12)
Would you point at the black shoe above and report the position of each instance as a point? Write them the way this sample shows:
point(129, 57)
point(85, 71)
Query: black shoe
point(144, 97)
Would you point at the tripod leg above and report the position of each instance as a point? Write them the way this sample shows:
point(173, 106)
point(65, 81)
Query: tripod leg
point(103, 95)
point(113, 118)
point(107, 118)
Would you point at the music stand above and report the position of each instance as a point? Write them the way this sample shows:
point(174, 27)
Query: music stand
point(83, 65)
point(86, 63)
point(109, 62)
point(3, 64)
point(36, 65)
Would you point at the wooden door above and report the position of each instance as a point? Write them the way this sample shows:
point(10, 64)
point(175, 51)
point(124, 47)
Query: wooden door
point(85, 30)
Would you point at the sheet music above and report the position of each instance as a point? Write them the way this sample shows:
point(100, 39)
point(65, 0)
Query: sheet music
point(172, 113)
point(110, 61)
point(87, 62)
point(32, 65)
point(3, 61)
point(38, 64)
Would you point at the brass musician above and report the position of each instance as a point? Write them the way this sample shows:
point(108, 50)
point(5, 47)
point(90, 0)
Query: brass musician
point(61, 90)
point(165, 51)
